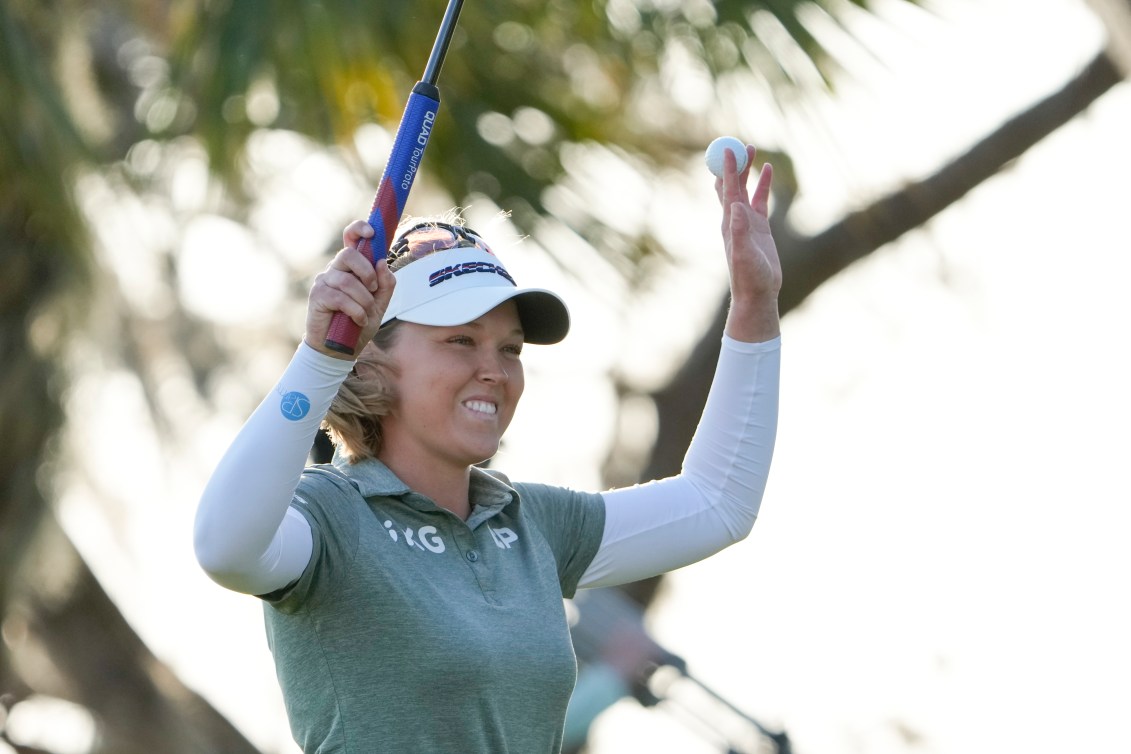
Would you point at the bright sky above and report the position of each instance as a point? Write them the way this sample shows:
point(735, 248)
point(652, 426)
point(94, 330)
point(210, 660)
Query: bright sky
point(940, 561)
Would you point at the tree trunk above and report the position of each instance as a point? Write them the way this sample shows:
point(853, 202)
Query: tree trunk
point(30, 414)
point(74, 644)
point(62, 636)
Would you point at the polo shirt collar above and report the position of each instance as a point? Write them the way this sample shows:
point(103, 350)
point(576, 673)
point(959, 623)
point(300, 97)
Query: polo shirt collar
point(371, 477)
point(489, 491)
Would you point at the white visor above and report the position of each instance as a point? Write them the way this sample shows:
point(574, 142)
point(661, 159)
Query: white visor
point(456, 286)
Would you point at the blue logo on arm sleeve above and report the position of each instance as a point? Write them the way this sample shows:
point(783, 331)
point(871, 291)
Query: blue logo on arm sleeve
point(294, 406)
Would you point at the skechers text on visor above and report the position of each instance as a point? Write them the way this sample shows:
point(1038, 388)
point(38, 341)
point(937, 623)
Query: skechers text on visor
point(456, 286)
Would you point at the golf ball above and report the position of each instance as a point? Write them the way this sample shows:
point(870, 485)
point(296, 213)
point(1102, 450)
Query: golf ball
point(717, 148)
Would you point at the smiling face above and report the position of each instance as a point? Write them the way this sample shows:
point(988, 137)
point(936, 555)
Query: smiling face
point(457, 389)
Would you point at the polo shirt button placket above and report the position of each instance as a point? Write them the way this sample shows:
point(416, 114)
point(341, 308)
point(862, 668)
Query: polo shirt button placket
point(472, 556)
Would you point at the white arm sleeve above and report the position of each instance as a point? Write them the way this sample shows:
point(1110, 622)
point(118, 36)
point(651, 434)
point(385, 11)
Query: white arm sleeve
point(659, 526)
point(246, 537)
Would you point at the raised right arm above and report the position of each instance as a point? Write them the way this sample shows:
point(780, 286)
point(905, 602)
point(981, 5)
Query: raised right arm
point(245, 536)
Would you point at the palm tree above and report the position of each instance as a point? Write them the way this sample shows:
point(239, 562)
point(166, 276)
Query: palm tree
point(89, 91)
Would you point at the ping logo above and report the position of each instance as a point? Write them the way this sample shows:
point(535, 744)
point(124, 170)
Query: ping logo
point(424, 538)
point(294, 406)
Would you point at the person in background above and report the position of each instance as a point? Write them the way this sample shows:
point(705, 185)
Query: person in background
point(616, 657)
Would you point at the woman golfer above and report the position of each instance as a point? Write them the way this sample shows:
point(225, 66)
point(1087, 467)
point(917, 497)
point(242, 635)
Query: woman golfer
point(413, 601)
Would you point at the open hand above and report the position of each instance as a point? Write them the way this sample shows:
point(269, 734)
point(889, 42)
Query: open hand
point(752, 255)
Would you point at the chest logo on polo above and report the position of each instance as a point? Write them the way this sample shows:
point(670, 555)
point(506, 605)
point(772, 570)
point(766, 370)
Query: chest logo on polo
point(503, 537)
point(424, 538)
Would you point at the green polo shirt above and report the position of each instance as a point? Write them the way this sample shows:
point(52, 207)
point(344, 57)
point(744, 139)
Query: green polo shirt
point(414, 631)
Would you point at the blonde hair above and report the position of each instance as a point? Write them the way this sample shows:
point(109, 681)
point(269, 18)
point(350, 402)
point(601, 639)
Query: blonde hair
point(453, 216)
point(354, 419)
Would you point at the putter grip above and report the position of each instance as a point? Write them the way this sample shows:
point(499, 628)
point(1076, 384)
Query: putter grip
point(412, 137)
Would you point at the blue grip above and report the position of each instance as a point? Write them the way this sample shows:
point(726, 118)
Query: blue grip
point(400, 171)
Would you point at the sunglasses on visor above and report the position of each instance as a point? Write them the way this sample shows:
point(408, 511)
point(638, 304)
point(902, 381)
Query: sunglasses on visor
point(430, 237)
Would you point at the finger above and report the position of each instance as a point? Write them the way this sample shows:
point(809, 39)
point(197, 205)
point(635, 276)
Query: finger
point(356, 231)
point(326, 300)
point(379, 302)
point(739, 220)
point(734, 182)
point(761, 200)
point(349, 279)
point(334, 284)
point(724, 184)
point(357, 264)
point(720, 191)
point(751, 152)
point(386, 282)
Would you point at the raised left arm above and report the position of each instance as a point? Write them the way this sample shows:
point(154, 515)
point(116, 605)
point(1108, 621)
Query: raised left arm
point(712, 503)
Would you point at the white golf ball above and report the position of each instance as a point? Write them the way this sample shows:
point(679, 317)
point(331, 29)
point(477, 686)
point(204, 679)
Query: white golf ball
point(717, 148)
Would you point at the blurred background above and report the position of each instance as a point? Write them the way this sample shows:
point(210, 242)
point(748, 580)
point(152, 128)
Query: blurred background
point(940, 563)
